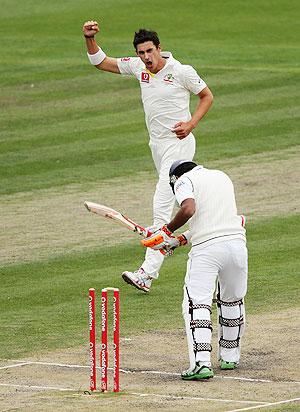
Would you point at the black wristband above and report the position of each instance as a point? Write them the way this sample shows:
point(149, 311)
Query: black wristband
point(89, 37)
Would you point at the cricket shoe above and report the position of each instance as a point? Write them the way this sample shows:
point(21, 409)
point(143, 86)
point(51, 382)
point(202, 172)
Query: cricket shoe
point(197, 373)
point(224, 365)
point(138, 279)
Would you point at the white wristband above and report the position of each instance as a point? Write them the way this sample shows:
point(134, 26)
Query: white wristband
point(97, 58)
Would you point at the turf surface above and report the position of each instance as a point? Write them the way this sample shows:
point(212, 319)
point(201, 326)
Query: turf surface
point(64, 123)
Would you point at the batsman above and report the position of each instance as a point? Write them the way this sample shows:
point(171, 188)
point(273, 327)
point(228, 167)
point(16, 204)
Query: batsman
point(217, 259)
point(166, 85)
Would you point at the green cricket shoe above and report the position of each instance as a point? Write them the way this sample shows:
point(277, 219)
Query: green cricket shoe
point(198, 373)
point(227, 365)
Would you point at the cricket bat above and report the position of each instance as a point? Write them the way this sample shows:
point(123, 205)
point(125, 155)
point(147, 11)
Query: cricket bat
point(117, 217)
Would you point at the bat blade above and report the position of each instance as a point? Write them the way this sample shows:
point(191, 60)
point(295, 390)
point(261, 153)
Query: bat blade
point(109, 213)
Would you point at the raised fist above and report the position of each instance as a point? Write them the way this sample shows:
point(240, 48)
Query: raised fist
point(90, 28)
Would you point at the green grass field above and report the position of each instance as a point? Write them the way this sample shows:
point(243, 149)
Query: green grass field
point(69, 130)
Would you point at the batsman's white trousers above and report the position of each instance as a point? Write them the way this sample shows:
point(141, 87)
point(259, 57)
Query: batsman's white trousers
point(164, 154)
point(226, 262)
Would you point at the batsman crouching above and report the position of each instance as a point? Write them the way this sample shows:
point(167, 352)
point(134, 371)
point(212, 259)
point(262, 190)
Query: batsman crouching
point(218, 257)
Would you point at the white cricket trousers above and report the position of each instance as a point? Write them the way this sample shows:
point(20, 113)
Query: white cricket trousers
point(225, 263)
point(164, 154)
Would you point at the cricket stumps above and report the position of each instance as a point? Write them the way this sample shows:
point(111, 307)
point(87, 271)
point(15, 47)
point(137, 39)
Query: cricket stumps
point(104, 339)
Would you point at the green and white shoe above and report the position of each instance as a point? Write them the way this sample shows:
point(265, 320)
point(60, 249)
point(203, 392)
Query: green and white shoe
point(224, 365)
point(198, 373)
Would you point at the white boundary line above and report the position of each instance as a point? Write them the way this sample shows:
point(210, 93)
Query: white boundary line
point(136, 394)
point(150, 372)
point(59, 365)
point(260, 404)
point(52, 388)
point(195, 398)
point(265, 405)
point(14, 366)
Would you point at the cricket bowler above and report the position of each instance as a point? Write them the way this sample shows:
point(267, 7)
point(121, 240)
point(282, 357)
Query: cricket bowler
point(165, 85)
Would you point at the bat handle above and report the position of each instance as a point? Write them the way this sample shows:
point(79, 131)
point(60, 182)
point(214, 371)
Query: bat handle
point(148, 233)
point(143, 231)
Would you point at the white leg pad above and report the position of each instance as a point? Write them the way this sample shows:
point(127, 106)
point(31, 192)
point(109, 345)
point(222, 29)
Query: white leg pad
point(198, 330)
point(231, 317)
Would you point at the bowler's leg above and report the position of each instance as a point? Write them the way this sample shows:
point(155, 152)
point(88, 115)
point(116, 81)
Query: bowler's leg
point(164, 199)
point(163, 204)
point(164, 155)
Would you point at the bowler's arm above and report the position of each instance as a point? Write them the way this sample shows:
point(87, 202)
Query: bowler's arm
point(183, 129)
point(109, 64)
point(204, 103)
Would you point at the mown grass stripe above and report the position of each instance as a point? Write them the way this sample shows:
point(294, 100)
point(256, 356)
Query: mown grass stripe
point(56, 290)
point(64, 172)
point(65, 125)
point(111, 102)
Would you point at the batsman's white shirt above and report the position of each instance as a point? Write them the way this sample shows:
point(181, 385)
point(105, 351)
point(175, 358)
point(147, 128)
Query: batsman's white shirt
point(216, 217)
point(165, 95)
point(218, 253)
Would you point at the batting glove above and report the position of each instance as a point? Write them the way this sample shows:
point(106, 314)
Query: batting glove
point(179, 240)
point(164, 241)
point(175, 242)
point(159, 239)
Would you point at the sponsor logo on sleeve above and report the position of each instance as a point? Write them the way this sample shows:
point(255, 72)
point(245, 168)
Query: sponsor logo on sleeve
point(179, 185)
point(145, 77)
point(125, 59)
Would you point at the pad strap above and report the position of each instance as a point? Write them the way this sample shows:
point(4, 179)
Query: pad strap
point(202, 346)
point(231, 322)
point(229, 344)
point(200, 323)
point(236, 303)
point(199, 306)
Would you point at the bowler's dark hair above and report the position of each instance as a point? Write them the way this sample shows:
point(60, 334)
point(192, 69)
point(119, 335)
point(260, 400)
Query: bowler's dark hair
point(144, 35)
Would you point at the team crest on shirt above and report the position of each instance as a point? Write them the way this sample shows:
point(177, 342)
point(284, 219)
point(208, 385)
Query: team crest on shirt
point(169, 78)
point(145, 77)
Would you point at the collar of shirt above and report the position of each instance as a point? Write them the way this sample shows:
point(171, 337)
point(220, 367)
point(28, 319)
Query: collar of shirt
point(169, 59)
point(167, 55)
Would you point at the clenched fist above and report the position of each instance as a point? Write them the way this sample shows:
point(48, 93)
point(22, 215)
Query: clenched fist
point(90, 28)
point(182, 129)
